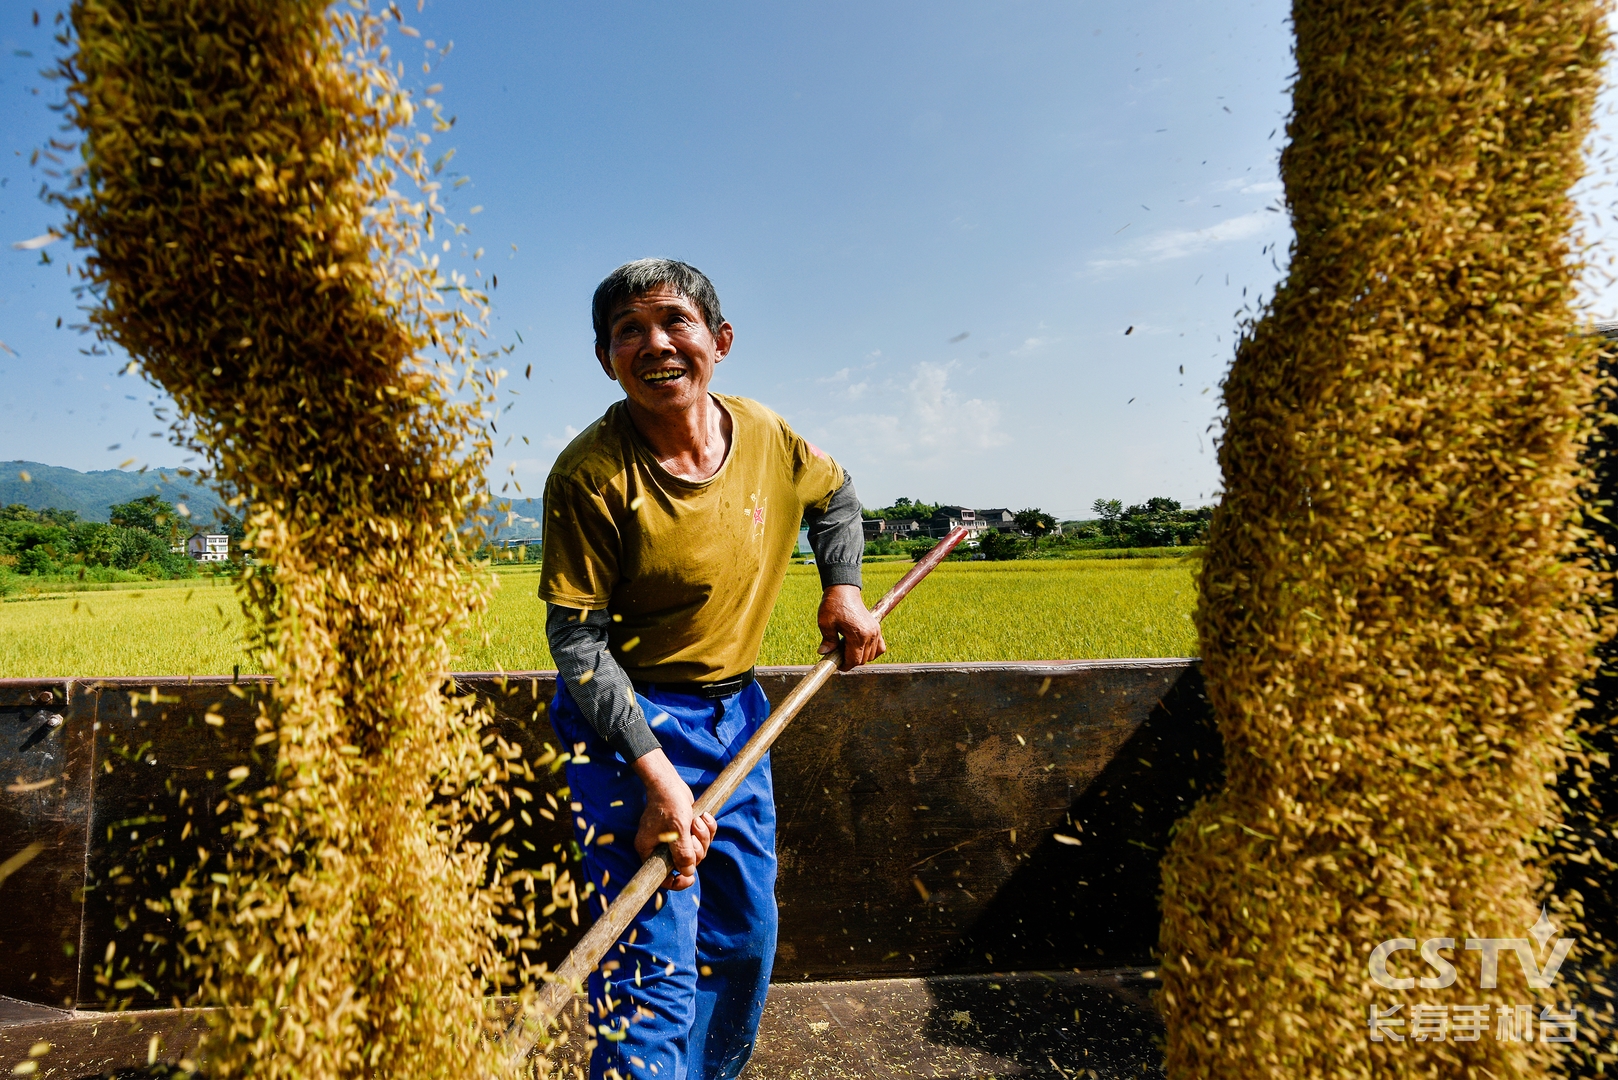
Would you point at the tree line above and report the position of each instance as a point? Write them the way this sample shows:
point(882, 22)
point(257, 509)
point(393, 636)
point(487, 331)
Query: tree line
point(1031, 520)
point(1158, 522)
point(137, 541)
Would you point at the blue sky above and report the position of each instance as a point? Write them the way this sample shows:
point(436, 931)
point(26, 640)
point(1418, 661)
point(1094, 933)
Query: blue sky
point(864, 182)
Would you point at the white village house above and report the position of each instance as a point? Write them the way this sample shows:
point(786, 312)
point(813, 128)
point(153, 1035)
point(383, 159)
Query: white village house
point(209, 547)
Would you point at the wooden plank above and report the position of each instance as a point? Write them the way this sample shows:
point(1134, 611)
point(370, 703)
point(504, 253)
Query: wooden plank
point(918, 811)
point(916, 829)
point(45, 765)
point(85, 1044)
point(1056, 1025)
point(161, 770)
point(1044, 1024)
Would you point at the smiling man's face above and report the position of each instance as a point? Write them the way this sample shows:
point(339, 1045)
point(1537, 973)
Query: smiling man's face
point(662, 352)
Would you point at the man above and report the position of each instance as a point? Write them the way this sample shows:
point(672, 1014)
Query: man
point(668, 527)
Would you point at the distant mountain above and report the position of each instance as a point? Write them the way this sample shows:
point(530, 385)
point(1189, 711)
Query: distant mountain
point(90, 493)
point(524, 520)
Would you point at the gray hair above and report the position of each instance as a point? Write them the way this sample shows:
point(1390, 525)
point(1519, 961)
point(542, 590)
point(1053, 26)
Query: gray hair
point(642, 276)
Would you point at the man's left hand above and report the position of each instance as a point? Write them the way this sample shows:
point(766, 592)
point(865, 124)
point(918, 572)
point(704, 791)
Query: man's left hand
point(846, 624)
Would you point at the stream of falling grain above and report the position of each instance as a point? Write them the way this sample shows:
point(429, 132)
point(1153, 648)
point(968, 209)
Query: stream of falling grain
point(1395, 616)
point(251, 246)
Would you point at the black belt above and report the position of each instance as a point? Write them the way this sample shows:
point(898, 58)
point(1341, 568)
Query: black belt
point(713, 691)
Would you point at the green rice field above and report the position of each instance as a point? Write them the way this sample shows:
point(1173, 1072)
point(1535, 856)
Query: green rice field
point(1026, 610)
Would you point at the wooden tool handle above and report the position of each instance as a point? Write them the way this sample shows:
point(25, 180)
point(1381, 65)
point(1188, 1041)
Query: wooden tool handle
point(606, 930)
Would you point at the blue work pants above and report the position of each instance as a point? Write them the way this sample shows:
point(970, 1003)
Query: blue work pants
point(680, 996)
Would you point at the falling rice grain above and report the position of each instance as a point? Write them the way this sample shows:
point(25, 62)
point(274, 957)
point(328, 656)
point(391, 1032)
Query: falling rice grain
point(1394, 669)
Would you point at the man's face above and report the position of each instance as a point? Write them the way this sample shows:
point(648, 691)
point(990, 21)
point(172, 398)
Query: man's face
point(662, 352)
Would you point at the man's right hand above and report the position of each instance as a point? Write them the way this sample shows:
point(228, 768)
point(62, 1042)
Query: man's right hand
point(668, 819)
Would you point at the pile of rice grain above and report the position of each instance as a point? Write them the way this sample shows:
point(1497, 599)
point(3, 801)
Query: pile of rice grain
point(1394, 617)
point(250, 250)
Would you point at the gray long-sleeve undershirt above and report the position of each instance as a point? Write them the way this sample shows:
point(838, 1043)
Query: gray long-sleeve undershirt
point(601, 688)
point(837, 536)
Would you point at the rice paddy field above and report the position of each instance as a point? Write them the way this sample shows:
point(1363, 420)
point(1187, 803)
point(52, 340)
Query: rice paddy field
point(1034, 610)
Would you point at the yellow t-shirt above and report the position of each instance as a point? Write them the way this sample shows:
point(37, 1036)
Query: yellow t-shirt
point(693, 569)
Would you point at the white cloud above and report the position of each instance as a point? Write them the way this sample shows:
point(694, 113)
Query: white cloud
point(942, 413)
point(529, 467)
point(551, 442)
point(933, 421)
point(1180, 243)
point(845, 386)
point(1246, 185)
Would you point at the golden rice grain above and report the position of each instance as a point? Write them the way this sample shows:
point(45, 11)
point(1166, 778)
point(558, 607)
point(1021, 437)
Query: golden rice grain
point(251, 246)
point(1394, 615)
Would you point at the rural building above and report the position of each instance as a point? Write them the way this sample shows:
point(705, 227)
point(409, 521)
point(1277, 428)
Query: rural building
point(209, 547)
point(999, 519)
point(893, 530)
point(904, 530)
point(946, 518)
point(996, 519)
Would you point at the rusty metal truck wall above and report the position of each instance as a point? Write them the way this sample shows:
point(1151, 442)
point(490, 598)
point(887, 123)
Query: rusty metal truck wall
point(934, 818)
